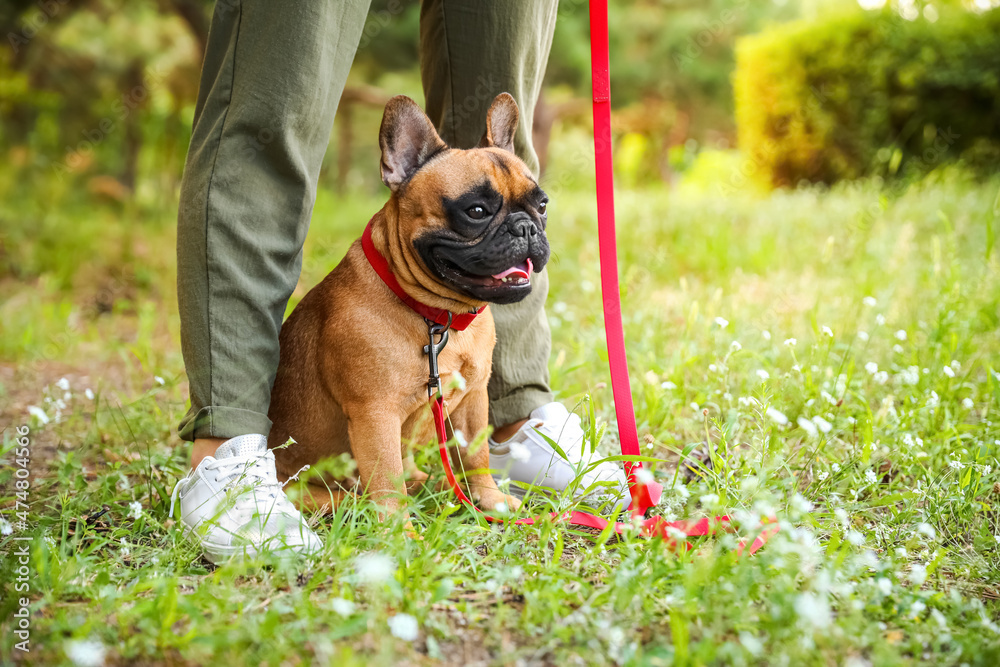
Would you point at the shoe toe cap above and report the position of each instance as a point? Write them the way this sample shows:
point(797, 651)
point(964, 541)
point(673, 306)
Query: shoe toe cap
point(279, 532)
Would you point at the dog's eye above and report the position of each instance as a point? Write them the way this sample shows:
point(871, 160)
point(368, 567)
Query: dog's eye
point(476, 212)
point(542, 207)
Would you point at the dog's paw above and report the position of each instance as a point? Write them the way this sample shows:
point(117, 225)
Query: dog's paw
point(411, 532)
point(499, 503)
point(513, 504)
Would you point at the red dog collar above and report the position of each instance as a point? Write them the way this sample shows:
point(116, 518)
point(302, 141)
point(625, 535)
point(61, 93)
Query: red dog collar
point(459, 321)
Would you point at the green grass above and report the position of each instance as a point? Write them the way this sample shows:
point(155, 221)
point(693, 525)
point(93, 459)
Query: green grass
point(885, 475)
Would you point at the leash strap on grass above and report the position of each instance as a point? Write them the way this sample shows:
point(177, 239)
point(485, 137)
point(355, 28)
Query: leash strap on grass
point(673, 533)
point(644, 495)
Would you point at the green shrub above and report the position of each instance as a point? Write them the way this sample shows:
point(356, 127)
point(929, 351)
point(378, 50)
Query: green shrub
point(869, 93)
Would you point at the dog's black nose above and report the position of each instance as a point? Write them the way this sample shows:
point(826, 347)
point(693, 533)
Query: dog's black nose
point(522, 227)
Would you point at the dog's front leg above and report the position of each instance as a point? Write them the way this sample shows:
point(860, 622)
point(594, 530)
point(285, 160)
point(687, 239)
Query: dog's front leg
point(375, 443)
point(471, 418)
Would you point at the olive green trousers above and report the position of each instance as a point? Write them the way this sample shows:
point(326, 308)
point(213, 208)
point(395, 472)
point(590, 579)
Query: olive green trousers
point(270, 84)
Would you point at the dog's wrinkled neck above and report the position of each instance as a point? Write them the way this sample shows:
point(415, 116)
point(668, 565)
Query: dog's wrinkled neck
point(409, 269)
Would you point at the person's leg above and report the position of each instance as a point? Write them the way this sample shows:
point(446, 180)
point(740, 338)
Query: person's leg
point(271, 81)
point(470, 51)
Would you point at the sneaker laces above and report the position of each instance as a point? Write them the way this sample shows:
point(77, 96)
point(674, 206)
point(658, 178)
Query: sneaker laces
point(254, 471)
point(573, 424)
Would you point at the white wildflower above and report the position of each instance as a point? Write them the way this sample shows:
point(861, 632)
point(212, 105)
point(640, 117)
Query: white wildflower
point(933, 400)
point(89, 393)
point(827, 331)
point(897, 348)
point(955, 366)
point(870, 477)
point(835, 467)
point(918, 574)
point(791, 342)
point(766, 335)
point(807, 426)
point(342, 606)
point(754, 646)
point(797, 368)
point(881, 377)
point(968, 404)
point(63, 384)
point(5, 527)
point(712, 368)
point(135, 509)
point(404, 626)
point(668, 385)
point(520, 452)
point(871, 367)
point(800, 504)
point(926, 530)
point(777, 416)
point(822, 476)
point(884, 585)
point(863, 335)
point(500, 507)
point(644, 476)
point(825, 395)
point(910, 376)
point(160, 381)
point(38, 414)
point(762, 374)
point(949, 371)
point(987, 470)
point(676, 534)
point(841, 515)
point(374, 568)
point(722, 322)
point(813, 610)
point(955, 465)
point(735, 346)
point(709, 500)
point(823, 425)
point(901, 335)
point(869, 301)
point(125, 551)
point(85, 653)
point(855, 538)
point(880, 319)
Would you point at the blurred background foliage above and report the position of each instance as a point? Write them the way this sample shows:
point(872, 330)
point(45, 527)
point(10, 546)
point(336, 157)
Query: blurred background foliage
point(870, 93)
point(97, 95)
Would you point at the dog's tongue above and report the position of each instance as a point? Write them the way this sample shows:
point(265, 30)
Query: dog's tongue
point(522, 270)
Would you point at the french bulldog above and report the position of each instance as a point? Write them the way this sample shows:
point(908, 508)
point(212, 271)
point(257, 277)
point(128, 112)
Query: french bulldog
point(461, 229)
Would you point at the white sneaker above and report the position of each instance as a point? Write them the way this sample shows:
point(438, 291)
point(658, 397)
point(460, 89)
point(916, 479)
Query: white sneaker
point(233, 504)
point(527, 457)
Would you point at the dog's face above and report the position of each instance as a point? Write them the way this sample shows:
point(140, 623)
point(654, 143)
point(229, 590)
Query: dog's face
point(469, 221)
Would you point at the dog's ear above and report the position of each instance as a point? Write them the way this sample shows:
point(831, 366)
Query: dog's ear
point(501, 123)
point(407, 139)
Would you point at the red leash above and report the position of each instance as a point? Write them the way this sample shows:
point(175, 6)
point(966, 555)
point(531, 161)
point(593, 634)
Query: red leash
point(644, 495)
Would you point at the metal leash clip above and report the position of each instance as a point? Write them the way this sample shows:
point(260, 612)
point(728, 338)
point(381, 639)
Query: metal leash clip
point(432, 350)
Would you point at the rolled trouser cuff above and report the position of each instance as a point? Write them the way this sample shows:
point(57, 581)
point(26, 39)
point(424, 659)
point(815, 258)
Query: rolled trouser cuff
point(222, 422)
point(518, 405)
